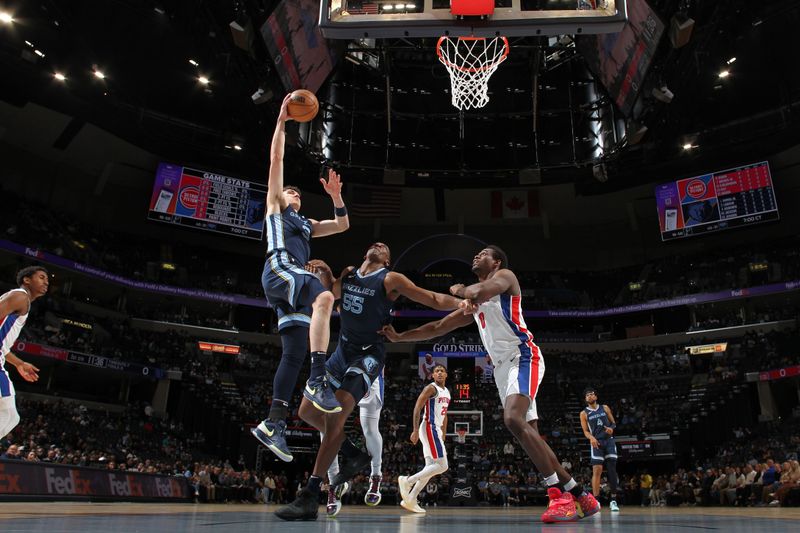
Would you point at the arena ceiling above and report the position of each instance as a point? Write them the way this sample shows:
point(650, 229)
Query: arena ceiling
point(151, 95)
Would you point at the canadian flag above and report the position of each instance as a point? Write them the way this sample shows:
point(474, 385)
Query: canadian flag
point(518, 203)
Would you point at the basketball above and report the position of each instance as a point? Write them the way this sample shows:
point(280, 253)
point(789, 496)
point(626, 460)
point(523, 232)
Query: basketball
point(303, 105)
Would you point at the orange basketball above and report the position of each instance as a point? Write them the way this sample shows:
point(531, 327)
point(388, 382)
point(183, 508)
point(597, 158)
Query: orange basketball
point(303, 105)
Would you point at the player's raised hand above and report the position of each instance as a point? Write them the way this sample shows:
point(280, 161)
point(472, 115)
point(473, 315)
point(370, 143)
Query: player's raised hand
point(390, 333)
point(28, 372)
point(414, 437)
point(283, 116)
point(318, 266)
point(333, 185)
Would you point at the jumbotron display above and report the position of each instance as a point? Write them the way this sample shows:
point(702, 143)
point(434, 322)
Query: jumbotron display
point(718, 201)
point(205, 200)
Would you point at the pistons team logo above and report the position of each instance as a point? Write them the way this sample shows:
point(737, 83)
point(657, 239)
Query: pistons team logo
point(696, 189)
point(189, 197)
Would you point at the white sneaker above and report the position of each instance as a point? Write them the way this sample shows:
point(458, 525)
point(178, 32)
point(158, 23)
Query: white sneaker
point(405, 487)
point(613, 506)
point(413, 507)
point(774, 503)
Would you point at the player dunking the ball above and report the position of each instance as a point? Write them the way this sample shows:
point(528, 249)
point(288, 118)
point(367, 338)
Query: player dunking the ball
point(495, 303)
point(15, 305)
point(598, 426)
point(303, 305)
point(434, 401)
point(367, 294)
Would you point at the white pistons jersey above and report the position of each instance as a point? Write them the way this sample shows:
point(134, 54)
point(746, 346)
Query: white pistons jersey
point(431, 429)
point(502, 328)
point(9, 331)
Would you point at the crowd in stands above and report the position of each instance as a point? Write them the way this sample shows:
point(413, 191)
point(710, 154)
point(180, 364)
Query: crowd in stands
point(143, 259)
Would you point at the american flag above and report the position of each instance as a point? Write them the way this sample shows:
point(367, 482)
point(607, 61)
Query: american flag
point(375, 202)
point(359, 7)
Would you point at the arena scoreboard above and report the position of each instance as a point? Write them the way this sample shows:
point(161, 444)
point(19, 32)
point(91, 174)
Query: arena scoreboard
point(718, 201)
point(205, 200)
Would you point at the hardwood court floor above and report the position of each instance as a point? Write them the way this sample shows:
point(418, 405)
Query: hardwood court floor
point(177, 518)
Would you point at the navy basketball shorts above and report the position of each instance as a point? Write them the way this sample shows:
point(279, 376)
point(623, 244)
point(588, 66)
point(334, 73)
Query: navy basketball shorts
point(290, 289)
point(607, 450)
point(354, 368)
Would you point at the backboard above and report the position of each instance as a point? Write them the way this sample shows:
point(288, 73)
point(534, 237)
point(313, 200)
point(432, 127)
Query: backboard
point(358, 19)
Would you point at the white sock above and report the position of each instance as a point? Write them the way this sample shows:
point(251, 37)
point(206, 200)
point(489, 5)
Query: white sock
point(374, 442)
point(551, 480)
point(569, 485)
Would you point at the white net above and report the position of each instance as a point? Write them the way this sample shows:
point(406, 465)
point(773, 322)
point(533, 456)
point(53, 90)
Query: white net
point(471, 61)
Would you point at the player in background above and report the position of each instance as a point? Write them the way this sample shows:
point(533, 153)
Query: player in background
point(15, 305)
point(598, 426)
point(430, 431)
point(303, 305)
point(495, 305)
point(427, 367)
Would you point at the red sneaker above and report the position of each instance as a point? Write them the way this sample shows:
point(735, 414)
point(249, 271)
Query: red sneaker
point(587, 505)
point(561, 507)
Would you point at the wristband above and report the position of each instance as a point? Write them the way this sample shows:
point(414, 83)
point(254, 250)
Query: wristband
point(340, 211)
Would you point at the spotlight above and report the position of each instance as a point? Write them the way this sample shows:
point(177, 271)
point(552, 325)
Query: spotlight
point(689, 146)
point(731, 61)
point(724, 74)
point(99, 75)
point(194, 63)
point(39, 53)
point(203, 80)
point(6, 17)
point(237, 147)
point(59, 76)
point(388, 7)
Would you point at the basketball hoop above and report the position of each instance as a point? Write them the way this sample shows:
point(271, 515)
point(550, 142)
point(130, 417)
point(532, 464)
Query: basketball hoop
point(461, 435)
point(471, 61)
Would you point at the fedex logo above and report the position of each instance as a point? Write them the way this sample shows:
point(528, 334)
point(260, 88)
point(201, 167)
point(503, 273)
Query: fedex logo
point(71, 483)
point(123, 485)
point(168, 488)
point(9, 483)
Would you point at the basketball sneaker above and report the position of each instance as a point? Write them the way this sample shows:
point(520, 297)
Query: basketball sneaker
point(414, 507)
point(319, 393)
point(613, 506)
point(304, 507)
point(335, 499)
point(273, 436)
point(587, 505)
point(561, 507)
point(350, 466)
point(373, 495)
point(404, 486)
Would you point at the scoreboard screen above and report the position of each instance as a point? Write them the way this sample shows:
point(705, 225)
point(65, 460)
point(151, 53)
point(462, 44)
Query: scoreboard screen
point(718, 201)
point(213, 202)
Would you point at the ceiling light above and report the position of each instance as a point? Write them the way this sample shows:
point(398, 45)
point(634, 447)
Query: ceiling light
point(29, 43)
point(399, 6)
point(203, 80)
point(388, 7)
point(731, 60)
point(6, 17)
point(724, 74)
point(39, 53)
point(689, 146)
point(411, 6)
point(99, 75)
point(194, 63)
point(59, 76)
point(237, 147)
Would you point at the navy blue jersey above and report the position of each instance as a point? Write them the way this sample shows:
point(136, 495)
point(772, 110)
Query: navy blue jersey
point(289, 231)
point(598, 422)
point(365, 307)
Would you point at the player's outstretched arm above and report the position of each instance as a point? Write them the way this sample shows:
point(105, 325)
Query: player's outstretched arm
point(26, 370)
point(483, 291)
point(427, 393)
point(340, 222)
point(399, 284)
point(437, 328)
point(275, 201)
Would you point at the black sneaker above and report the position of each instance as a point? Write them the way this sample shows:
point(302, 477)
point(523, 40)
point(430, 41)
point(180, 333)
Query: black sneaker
point(349, 467)
point(272, 435)
point(304, 507)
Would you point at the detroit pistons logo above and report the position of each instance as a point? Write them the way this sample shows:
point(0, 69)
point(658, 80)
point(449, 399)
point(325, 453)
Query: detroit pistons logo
point(189, 197)
point(696, 189)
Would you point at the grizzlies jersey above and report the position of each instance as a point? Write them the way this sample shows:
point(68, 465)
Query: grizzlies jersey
point(289, 231)
point(598, 422)
point(365, 307)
